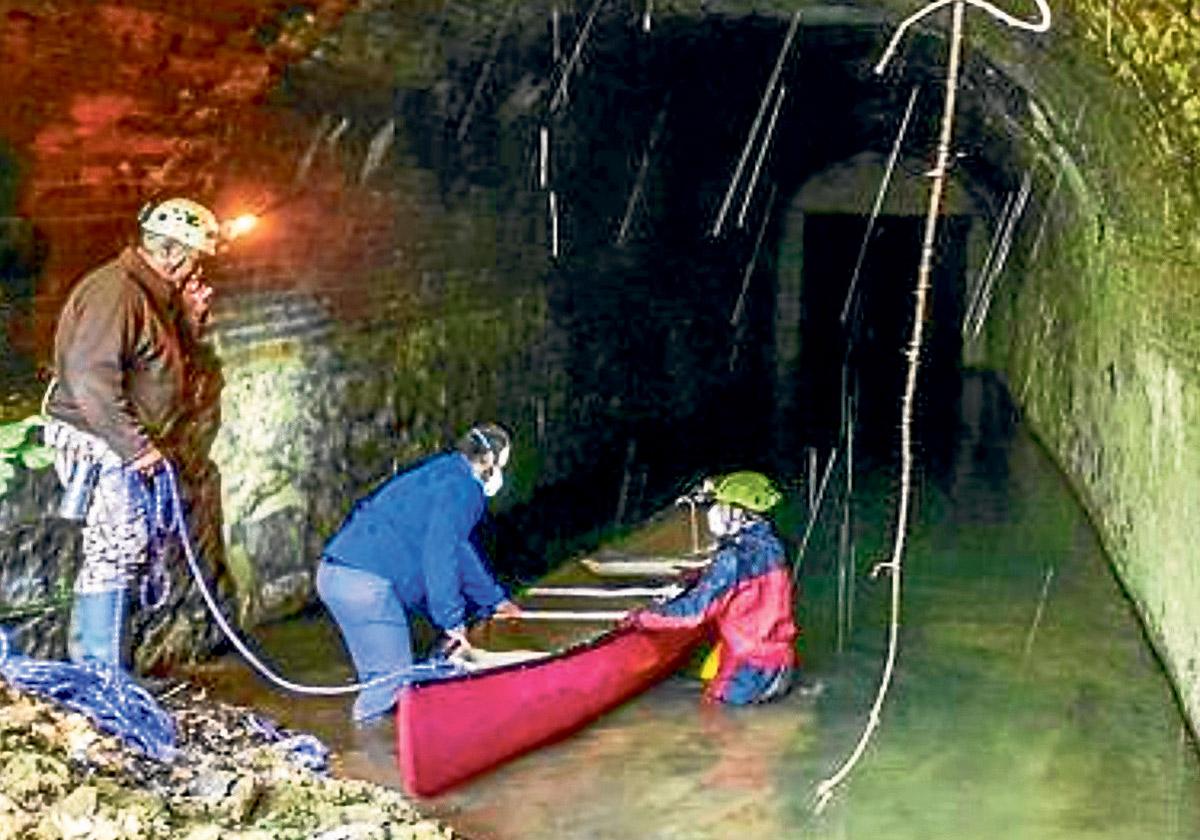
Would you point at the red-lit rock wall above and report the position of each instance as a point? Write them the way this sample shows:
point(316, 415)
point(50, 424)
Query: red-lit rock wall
point(105, 105)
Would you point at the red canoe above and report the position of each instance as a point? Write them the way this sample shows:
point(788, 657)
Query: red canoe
point(451, 729)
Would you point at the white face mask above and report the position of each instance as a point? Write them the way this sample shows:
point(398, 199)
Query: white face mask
point(493, 483)
point(721, 521)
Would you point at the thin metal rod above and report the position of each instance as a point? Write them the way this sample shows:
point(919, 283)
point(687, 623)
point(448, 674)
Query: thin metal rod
point(762, 107)
point(880, 195)
point(762, 153)
point(560, 96)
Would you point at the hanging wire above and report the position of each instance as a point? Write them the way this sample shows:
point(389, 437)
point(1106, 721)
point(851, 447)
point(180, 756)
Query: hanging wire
point(812, 514)
point(640, 182)
point(981, 276)
point(762, 153)
point(879, 197)
point(985, 297)
point(762, 107)
point(485, 72)
point(740, 306)
point(827, 787)
point(1058, 179)
point(560, 95)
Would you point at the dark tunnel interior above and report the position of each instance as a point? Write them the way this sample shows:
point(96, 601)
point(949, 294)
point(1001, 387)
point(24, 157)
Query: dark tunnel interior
point(641, 154)
point(673, 346)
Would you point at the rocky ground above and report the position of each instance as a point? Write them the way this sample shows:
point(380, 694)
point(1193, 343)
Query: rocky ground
point(236, 777)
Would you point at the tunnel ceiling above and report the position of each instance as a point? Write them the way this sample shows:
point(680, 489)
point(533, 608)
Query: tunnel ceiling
point(117, 101)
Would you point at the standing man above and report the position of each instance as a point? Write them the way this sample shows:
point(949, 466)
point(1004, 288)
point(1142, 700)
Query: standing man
point(121, 358)
point(406, 547)
point(745, 595)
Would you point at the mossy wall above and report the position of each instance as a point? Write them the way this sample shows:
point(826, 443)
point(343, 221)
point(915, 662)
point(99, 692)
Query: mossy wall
point(1097, 329)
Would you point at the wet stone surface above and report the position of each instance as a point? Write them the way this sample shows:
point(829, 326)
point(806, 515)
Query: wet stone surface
point(237, 777)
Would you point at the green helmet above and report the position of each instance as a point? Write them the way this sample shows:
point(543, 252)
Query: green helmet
point(748, 489)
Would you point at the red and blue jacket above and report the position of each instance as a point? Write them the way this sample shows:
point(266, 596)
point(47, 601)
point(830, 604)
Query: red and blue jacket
point(746, 594)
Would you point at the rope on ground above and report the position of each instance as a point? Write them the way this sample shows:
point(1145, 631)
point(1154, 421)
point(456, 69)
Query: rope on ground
point(105, 695)
point(827, 787)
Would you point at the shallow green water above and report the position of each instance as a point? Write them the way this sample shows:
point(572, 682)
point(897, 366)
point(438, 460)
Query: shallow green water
point(1026, 702)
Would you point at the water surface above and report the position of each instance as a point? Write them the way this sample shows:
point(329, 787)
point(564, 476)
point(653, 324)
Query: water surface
point(1026, 701)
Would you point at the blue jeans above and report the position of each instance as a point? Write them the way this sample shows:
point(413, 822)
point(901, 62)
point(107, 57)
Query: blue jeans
point(374, 626)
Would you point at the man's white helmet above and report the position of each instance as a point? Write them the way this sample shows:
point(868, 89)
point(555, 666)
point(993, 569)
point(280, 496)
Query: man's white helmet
point(184, 221)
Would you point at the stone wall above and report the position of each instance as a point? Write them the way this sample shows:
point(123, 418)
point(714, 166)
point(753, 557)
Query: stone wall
point(1096, 327)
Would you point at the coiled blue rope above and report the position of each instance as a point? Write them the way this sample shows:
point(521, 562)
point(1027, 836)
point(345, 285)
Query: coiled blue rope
point(104, 694)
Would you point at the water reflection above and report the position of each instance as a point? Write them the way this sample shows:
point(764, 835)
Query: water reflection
point(1026, 702)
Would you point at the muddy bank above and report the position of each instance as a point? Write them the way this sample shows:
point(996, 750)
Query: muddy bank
point(237, 776)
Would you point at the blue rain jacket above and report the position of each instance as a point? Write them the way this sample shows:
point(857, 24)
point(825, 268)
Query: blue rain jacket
point(415, 531)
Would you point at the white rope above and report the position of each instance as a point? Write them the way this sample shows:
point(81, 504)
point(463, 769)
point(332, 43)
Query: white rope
point(235, 638)
point(827, 787)
point(1041, 25)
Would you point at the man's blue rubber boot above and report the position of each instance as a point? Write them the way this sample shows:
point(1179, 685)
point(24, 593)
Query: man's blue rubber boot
point(96, 629)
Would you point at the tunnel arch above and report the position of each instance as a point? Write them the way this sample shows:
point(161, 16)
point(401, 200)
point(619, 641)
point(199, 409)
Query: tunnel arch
point(1092, 323)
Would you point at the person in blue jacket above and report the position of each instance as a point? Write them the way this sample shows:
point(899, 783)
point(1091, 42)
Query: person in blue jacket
point(407, 547)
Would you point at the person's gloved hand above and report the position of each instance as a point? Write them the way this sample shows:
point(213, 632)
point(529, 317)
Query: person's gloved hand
point(632, 620)
point(506, 609)
point(456, 645)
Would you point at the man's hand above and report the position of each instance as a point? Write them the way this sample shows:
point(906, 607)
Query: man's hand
point(506, 609)
point(148, 462)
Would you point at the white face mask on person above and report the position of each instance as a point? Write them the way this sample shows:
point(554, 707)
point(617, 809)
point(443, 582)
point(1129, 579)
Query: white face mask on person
point(722, 521)
point(493, 482)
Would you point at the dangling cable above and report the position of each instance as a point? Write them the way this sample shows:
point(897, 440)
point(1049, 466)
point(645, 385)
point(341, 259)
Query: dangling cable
point(826, 788)
point(879, 197)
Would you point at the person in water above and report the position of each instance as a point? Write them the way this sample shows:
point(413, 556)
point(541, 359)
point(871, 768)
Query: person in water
point(745, 594)
point(407, 548)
